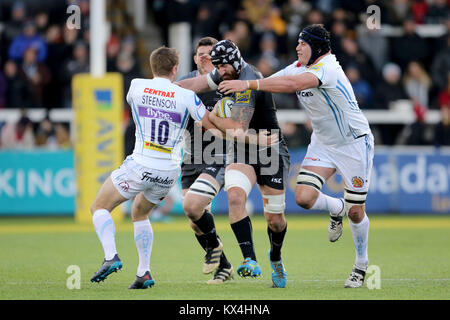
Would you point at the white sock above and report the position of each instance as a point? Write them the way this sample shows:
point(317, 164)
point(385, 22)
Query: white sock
point(143, 236)
point(360, 233)
point(327, 203)
point(104, 226)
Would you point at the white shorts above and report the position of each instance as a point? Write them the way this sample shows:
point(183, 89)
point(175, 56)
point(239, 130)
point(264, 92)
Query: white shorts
point(131, 178)
point(352, 161)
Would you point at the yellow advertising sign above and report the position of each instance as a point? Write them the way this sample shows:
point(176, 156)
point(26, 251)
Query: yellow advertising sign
point(98, 106)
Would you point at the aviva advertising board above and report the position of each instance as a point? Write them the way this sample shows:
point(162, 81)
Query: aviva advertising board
point(98, 105)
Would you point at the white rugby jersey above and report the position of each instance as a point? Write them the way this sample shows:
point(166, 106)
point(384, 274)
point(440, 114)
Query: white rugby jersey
point(161, 112)
point(332, 107)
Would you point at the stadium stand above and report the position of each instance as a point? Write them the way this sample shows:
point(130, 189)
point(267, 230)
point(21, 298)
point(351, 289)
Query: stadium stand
point(400, 72)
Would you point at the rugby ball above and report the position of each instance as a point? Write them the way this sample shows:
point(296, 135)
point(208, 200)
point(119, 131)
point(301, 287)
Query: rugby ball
point(224, 107)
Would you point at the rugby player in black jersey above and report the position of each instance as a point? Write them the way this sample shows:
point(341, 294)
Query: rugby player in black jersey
point(266, 166)
point(202, 181)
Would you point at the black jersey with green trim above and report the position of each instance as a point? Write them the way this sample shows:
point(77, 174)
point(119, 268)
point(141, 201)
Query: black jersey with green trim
point(265, 114)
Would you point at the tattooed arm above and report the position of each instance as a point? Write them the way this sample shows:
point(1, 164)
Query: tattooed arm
point(235, 128)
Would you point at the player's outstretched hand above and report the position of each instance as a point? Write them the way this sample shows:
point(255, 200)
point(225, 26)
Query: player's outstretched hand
point(230, 86)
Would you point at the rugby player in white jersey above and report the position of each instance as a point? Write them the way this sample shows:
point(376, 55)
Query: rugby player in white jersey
point(160, 111)
point(341, 140)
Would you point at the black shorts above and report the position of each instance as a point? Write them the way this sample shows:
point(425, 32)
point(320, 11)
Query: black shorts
point(271, 165)
point(190, 173)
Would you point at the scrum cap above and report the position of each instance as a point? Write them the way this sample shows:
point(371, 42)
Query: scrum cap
point(226, 52)
point(318, 38)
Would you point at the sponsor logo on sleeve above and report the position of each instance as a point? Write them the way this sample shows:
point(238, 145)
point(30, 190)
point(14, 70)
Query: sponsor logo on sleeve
point(316, 67)
point(243, 96)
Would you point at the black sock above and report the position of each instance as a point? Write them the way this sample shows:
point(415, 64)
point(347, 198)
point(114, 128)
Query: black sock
point(224, 263)
point(276, 242)
point(208, 228)
point(202, 240)
point(243, 232)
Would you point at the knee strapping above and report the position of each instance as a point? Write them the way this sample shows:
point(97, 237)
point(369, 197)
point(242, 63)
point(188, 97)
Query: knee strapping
point(275, 203)
point(235, 178)
point(309, 178)
point(353, 198)
point(204, 188)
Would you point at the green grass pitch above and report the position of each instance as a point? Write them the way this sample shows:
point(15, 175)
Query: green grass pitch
point(412, 253)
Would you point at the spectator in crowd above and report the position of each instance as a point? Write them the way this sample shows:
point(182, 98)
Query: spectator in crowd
point(314, 16)
point(126, 65)
point(345, 17)
point(56, 53)
point(442, 130)
point(70, 38)
point(294, 13)
point(207, 23)
point(440, 67)
point(339, 31)
point(45, 135)
point(268, 46)
point(14, 27)
point(128, 45)
point(37, 75)
point(265, 67)
point(63, 136)
point(327, 6)
point(438, 12)
point(3, 89)
point(410, 46)
point(401, 9)
point(389, 90)
point(419, 10)
point(112, 52)
point(41, 21)
point(269, 24)
point(256, 10)
point(29, 38)
point(241, 36)
point(361, 88)
point(374, 44)
point(79, 63)
point(441, 42)
point(17, 135)
point(278, 26)
point(415, 133)
point(18, 94)
point(417, 84)
point(352, 55)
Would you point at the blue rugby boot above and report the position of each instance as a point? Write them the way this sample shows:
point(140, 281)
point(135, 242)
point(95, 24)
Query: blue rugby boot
point(108, 267)
point(144, 282)
point(249, 268)
point(279, 275)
